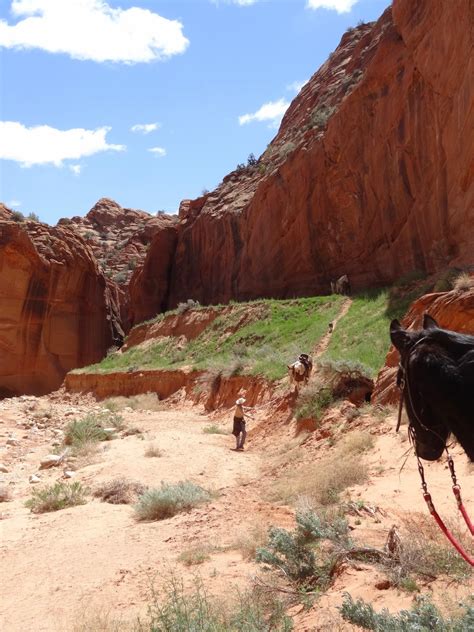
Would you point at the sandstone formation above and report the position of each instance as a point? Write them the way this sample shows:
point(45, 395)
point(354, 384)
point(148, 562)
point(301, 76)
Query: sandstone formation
point(57, 309)
point(452, 310)
point(371, 174)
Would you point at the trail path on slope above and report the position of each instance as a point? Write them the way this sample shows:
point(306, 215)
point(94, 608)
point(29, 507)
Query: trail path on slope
point(58, 566)
point(323, 344)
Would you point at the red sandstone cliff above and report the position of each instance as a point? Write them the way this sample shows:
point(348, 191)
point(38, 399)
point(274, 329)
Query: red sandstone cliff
point(371, 174)
point(57, 309)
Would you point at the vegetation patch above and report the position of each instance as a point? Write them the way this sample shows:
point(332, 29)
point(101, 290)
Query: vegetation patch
point(5, 494)
point(257, 338)
point(56, 497)
point(91, 429)
point(180, 610)
point(153, 451)
point(213, 429)
point(423, 616)
point(120, 491)
point(144, 401)
point(168, 500)
point(195, 555)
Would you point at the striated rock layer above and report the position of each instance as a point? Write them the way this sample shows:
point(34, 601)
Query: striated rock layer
point(452, 310)
point(57, 309)
point(371, 174)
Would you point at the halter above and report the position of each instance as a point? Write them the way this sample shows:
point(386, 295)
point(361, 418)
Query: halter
point(404, 386)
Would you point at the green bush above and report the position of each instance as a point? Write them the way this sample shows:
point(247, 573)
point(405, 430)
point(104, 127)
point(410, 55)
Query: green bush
point(91, 429)
point(313, 401)
point(424, 616)
point(194, 611)
point(17, 216)
point(56, 497)
point(213, 429)
point(293, 553)
point(168, 500)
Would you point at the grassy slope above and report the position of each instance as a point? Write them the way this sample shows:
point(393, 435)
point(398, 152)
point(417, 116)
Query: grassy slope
point(279, 331)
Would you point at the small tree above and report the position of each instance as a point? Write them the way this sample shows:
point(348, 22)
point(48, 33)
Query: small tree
point(251, 161)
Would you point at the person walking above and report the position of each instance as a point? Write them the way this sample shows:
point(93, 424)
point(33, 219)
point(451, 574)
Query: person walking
point(239, 431)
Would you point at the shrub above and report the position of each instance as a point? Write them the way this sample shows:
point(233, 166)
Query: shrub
point(168, 500)
point(17, 216)
point(56, 497)
point(120, 491)
point(213, 429)
point(252, 161)
point(423, 616)
point(313, 401)
point(287, 148)
point(179, 611)
point(464, 283)
point(184, 307)
point(91, 429)
point(194, 556)
point(321, 115)
point(153, 451)
point(291, 553)
point(250, 541)
point(33, 217)
point(144, 401)
point(120, 277)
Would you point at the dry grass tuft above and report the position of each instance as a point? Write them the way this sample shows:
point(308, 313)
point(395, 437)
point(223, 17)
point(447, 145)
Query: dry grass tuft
point(120, 491)
point(144, 401)
point(195, 555)
point(323, 481)
point(250, 540)
point(464, 283)
point(5, 494)
point(425, 551)
point(153, 451)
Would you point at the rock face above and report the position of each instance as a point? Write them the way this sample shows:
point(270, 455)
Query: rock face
point(371, 174)
point(452, 310)
point(57, 308)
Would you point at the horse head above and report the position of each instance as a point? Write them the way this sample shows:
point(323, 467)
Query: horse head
point(430, 431)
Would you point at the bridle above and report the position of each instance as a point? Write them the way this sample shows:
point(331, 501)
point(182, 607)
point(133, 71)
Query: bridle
point(403, 384)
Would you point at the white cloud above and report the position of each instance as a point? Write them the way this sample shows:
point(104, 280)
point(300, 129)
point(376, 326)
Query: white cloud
point(44, 145)
point(76, 169)
point(158, 151)
point(13, 203)
point(341, 6)
point(272, 111)
point(145, 128)
point(296, 85)
point(240, 3)
point(92, 29)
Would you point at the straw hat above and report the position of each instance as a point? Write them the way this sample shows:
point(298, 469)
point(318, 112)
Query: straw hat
point(240, 401)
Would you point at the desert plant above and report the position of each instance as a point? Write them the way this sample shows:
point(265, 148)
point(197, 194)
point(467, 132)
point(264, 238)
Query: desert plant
point(119, 491)
point(464, 283)
point(423, 616)
point(168, 500)
point(250, 541)
point(56, 497)
point(313, 401)
point(178, 610)
point(294, 554)
point(153, 451)
point(17, 216)
point(120, 277)
point(213, 429)
point(184, 307)
point(195, 555)
point(321, 115)
point(33, 217)
point(252, 161)
point(92, 429)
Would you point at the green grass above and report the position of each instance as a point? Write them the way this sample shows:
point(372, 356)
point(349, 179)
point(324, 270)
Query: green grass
point(257, 338)
point(56, 497)
point(168, 500)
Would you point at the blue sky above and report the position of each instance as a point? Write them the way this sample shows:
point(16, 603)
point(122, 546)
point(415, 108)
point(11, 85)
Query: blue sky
point(203, 83)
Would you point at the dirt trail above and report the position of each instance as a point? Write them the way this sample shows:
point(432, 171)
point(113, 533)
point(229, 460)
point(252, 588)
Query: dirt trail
point(56, 566)
point(325, 340)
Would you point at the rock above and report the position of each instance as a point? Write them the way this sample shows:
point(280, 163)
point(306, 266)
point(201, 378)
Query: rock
point(4, 469)
point(51, 460)
point(12, 441)
point(58, 310)
point(34, 479)
point(370, 175)
point(69, 474)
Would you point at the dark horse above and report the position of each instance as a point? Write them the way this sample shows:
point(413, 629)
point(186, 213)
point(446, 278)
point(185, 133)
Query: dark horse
point(438, 368)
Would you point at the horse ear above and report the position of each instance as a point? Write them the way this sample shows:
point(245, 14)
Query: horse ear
point(429, 322)
point(398, 335)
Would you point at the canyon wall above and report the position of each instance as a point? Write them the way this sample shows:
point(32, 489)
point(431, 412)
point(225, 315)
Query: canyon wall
point(57, 309)
point(371, 174)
